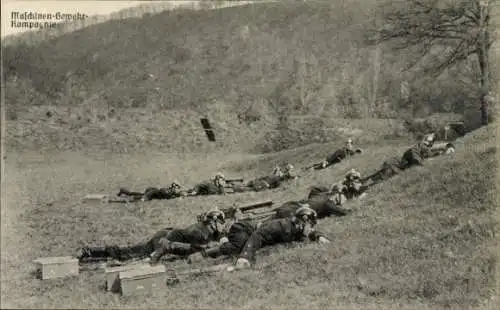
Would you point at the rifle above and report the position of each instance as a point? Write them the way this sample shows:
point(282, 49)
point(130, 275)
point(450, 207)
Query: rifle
point(237, 180)
point(231, 212)
point(102, 198)
point(316, 165)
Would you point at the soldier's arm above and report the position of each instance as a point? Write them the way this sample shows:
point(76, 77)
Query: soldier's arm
point(318, 237)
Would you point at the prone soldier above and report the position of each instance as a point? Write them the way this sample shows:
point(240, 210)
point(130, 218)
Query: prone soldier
point(413, 156)
point(325, 204)
point(337, 156)
point(215, 186)
point(181, 242)
point(353, 185)
point(274, 180)
point(299, 227)
point(173, 191)
point(263, 233)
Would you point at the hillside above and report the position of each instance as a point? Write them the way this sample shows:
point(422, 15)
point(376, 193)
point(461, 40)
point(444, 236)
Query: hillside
point(123, 84)
point(422, 240)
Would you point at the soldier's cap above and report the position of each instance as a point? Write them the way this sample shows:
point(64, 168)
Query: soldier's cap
point(305, 213)
point(219, 175)
point(354, 172)
point(176, 182)
point(215, 214)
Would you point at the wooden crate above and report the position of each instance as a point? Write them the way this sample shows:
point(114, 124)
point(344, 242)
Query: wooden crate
point(56, 267)
point(112, 275)
point(142, 280)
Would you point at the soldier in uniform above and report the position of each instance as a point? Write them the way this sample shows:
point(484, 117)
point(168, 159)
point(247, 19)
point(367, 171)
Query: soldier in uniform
point(232, 245)
point(338, 155)
point(272, 230)
point(325, 204)
point(413, 156)
point(182, 242)
point(300, 227)
point(173, 191)
point(353, 186)
point(216, 186)
point(289, 173)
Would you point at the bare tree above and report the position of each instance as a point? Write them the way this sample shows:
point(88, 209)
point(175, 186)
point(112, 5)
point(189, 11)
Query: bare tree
point(444, 33)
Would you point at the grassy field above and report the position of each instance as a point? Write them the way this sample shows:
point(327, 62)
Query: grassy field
point(423, 240)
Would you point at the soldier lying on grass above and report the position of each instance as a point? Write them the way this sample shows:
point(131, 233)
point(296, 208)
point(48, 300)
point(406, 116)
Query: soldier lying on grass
point(337, 156)
point(215, 186)
point(300, 227)
point(181, 242)
point(245, 237)
point(272, 181)
point(325, 204)
point(173, 191)
point(413, 156)
point(352, 185)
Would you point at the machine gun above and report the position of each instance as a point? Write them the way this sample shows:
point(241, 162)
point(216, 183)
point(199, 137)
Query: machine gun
point(237, 180)
point(245, 211)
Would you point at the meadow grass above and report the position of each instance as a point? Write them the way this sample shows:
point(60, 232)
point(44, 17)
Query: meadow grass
point(422, 240)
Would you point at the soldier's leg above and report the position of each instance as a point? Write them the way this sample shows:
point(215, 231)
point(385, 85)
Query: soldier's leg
point(126, 192)
point(155, 193)
point(175, 248)
point(130, 252)
point(115, 252)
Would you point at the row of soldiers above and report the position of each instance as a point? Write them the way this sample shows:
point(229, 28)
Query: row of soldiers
point(219, 185)
point(216, 234)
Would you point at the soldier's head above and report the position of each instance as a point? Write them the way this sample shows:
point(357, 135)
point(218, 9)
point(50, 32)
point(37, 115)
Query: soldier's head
point(305, 219)
point(215, 219)
point(219, 179)
point(348, 144)
point(219, 176)
point(289, 171)
point(428, 139)
point(176, 185)
point(353, 174)
point(277, 171)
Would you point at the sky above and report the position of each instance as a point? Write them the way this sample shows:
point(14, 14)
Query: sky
point(89, 7)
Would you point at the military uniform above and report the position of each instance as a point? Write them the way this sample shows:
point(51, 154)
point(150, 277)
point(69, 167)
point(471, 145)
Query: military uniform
point(215, 186)
point(279, 231)
point(173, 191)
point(325, 205)
point(411, 157)
point(161, 193)
point(264, 183)
point(337, 156)
point(237, 236)
point(174, 241)
point(415, 155)
point(352, 185)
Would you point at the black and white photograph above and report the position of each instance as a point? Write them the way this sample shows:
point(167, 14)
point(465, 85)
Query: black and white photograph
point(293, 154)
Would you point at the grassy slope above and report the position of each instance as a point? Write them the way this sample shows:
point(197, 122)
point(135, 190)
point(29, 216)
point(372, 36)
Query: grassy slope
point(421, 240)
point(234, 56)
